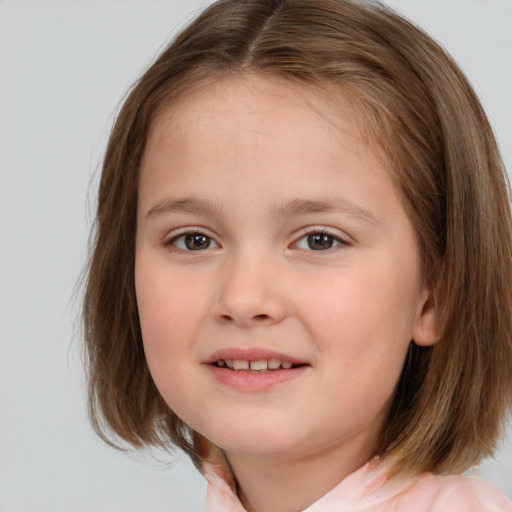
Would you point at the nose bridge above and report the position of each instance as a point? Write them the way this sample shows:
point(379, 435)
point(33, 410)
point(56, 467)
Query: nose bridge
point(249, 291)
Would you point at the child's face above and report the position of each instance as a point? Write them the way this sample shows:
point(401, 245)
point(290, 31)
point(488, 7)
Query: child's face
point(268, 231)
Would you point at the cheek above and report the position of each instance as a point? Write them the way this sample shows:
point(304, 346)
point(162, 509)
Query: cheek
point(166, 313)
point(367, 314)
point(169, 313)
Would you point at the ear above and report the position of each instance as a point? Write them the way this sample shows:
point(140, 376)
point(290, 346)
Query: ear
point(426, 330)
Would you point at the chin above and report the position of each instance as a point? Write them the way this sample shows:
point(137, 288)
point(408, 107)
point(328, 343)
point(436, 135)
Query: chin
point(257, 442)
point(253, 449)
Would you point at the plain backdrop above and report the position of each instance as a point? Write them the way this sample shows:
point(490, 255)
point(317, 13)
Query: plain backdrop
point(64, 66)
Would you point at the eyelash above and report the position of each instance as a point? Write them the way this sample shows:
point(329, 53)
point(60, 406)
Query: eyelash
point(328, 237)
point(335, 240)
point(172, 242)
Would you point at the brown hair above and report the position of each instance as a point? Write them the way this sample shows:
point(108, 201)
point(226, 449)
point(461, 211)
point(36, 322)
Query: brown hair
point(417, 105)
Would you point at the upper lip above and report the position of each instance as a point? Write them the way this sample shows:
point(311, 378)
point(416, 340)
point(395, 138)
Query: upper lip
point(250, 354)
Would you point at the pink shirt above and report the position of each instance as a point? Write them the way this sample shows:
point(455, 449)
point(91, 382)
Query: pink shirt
point(368, 490)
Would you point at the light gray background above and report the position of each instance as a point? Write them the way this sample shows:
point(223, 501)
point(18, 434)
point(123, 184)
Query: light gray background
point(64, 65)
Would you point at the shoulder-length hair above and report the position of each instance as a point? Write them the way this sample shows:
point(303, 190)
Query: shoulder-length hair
point(416, 104)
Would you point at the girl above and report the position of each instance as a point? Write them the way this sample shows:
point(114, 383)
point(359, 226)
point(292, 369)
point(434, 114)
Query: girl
point(301, 273)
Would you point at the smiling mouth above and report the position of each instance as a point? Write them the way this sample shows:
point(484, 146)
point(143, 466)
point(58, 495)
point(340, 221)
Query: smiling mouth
point(257, 366)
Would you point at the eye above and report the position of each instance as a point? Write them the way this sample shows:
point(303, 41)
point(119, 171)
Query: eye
point(192, 242)
point(319, 241)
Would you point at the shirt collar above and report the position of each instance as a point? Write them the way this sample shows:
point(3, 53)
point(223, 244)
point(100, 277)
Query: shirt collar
point(367, 486)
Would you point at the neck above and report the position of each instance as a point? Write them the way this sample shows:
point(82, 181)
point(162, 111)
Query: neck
point(291, 484)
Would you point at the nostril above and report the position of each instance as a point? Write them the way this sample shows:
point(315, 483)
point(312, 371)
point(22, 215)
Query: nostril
point(261, 317)
point(239, 319)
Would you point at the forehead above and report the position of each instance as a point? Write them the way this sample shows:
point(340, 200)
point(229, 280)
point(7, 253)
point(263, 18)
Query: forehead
point(260, 135)
point(242, 100)
point(250, 123)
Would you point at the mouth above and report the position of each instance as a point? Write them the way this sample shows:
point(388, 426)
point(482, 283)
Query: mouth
point(254, 369)
point(256, 366)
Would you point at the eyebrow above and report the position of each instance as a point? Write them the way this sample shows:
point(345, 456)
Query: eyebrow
point(184, 205)
point(304, 206)
point(286, 209)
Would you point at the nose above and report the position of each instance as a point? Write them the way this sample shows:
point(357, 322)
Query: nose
point(250, 293)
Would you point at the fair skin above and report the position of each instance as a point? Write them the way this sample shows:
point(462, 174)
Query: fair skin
point(268, 230)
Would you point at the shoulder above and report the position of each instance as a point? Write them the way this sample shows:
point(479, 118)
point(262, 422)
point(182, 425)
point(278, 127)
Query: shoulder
point(435, 493)
point(371, 490)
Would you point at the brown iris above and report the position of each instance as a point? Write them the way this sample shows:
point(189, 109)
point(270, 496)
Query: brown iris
point(197, 241)
point(320, 241)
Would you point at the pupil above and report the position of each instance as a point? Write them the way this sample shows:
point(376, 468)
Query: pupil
point(320, 241)
point(197, 241)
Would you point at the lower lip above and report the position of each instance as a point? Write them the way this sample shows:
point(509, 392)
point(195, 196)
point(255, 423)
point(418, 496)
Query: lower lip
point(253, 381)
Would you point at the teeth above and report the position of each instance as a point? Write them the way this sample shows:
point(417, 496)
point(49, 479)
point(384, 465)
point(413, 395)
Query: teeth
point(261, 365)
point(240, 365)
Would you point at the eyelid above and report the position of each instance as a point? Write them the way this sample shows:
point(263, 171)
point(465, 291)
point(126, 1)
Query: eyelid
point(343, 239)
point(176, 234)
